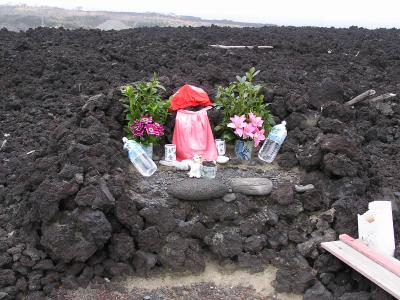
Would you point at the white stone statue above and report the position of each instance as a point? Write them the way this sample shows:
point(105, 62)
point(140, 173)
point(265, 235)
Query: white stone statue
point(195, 166)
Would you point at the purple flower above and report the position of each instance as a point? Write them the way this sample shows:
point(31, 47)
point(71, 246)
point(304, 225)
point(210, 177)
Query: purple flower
point(159, 129)
point(146, 126)
point(151, 129)
point(146, 119)
point(137, 128)
point(155, 129)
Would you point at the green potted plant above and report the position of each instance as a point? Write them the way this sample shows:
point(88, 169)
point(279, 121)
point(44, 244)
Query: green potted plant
point(146, 112)
point(246, 118)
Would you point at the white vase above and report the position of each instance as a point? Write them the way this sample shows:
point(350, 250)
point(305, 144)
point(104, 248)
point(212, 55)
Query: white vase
point(221, 146)
point(170, 152)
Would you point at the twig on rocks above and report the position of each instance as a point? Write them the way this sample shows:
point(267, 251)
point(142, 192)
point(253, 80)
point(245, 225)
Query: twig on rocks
point(241, 47)
point(382, 97)
point(360, 97)
point(303, 188)
point(3, 144)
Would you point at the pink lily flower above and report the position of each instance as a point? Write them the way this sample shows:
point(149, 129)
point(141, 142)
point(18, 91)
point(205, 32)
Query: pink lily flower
point(248, 131)
point(258, 136)
point(256, 121)
point(238, 123)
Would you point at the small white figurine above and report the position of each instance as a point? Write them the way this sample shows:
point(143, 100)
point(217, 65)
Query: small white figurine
point(195, 166)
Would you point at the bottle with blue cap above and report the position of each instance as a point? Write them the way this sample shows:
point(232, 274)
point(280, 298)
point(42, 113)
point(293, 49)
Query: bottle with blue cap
point(139, 158)
point(273, 143)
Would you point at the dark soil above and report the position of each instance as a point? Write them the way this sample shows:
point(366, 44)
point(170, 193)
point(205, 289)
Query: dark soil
point(71, 213)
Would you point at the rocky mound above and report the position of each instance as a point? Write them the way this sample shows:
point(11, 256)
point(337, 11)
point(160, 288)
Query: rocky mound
point(71, 212)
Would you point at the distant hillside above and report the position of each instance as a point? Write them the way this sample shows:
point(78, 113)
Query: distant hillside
point(23, 17)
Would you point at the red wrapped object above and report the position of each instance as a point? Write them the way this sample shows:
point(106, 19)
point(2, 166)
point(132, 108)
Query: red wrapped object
point(188, 96)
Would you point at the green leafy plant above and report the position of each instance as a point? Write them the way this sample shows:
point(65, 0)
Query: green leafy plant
point(143, 100)
point(239, 98)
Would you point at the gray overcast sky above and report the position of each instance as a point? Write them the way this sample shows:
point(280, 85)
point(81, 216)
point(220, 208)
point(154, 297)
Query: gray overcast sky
point(338, 13)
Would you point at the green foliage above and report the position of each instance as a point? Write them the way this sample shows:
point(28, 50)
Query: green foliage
point(144, 99)
point(239, 98)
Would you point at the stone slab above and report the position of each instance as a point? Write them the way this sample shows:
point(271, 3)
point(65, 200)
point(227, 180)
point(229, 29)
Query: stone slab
point(251, 186)
point(197, 189)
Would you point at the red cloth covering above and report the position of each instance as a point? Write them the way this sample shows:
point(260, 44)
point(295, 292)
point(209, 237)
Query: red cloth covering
point(193, 135)
point(189, 95)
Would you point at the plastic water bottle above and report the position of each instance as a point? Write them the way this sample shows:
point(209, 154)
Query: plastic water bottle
point(143, 163)
point(273, 143)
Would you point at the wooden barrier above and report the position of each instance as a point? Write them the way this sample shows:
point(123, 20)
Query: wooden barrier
point(387, 278)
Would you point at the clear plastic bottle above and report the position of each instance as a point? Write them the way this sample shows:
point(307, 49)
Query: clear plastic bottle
point(273, 143)
point(143, 163)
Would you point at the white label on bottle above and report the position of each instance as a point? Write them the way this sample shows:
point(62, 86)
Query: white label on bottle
point(276, 135)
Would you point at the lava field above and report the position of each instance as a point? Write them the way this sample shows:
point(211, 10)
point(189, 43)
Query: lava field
point(72, 211)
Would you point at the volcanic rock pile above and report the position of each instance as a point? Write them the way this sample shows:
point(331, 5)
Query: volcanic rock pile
point(71, 212)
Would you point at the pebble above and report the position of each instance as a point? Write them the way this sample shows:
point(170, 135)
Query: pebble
point(79, 178)
point(179, 165)
point(251, 186)
point(222, 159)
point(229, 197)
point(146, 298)
point(303, 188)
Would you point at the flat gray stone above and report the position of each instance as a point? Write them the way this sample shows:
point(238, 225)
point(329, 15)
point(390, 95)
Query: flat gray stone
point(251, 186)
point(197, 189)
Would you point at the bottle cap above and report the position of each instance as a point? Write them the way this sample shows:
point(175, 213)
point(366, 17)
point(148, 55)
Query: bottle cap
point(124, 140)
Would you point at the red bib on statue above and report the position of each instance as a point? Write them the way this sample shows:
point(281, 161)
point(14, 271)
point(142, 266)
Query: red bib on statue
point(193, 135)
